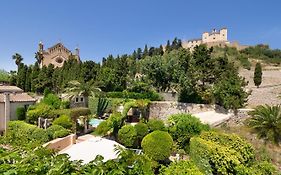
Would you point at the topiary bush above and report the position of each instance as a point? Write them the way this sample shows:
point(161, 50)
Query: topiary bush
point(141, 130)
point(64, 121)
point(181, 168)
point(155, 124)
point(184, 126)
point(21, 113)
point(157, 145)
point(127, 136)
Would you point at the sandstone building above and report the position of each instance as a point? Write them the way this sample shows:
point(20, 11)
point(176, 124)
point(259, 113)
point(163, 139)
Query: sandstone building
point(56, 55)
point(214, 38)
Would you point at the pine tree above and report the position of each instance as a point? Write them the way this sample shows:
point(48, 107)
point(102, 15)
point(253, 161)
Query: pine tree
point(258, 75)
point(145, 51)
point(168, 46)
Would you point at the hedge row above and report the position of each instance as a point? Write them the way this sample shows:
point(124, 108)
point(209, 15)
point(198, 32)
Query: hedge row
point(20, 133)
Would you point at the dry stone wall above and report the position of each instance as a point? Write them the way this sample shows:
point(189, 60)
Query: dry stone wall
point(163, 109)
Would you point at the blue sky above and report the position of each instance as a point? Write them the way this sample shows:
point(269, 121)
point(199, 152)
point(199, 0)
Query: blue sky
point(104, 27)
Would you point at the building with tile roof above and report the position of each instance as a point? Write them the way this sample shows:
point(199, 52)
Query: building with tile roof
point(11, 98)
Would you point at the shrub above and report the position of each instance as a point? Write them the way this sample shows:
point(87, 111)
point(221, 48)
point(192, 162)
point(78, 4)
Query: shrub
point(257, 168)
point(141, 130)
point(61, 133)
point(21, 113)
point(20, 133)
point(184, 126)
point(181, 168)
point(216, 153)
point(56, 131)
point(127, 135)
point(155, 124)
point(52, 100)
point(65, 104)
point(103, 128)
point(39, 110)
point(64, 121)
point(157, 145)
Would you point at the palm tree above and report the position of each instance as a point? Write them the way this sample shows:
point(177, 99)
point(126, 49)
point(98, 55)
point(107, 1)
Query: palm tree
point(266, 122)
point(18, 58)
point(86, 89)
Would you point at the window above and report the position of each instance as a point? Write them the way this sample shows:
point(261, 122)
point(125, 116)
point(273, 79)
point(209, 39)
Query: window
point(81, 99)
point(214, 38)
point(76, 99)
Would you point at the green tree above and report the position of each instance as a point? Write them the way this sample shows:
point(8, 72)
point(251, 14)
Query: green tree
point(266, 122)
point(258, 75)
point(127, 136)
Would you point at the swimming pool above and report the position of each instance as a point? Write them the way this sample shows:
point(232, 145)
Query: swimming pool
point(95, 122)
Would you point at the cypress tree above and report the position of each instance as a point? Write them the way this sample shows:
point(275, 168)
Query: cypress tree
point(258, 75)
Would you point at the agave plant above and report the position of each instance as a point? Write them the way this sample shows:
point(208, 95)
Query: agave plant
point(266, 122)
point(102, 105)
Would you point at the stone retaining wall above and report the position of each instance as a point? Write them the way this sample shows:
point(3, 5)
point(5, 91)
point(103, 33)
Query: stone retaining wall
point(61, 143)
point(162, 109)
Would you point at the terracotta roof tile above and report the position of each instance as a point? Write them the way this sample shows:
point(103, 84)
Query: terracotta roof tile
point(18, 97)
point(10, 89)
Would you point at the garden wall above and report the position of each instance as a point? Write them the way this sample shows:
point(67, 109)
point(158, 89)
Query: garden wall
point(61, 143)
point(162, 109)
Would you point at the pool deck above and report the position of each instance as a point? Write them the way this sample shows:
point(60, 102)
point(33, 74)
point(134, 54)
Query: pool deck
point(89, 146)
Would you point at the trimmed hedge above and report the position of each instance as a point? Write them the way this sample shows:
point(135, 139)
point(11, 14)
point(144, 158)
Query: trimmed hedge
point(20, 133)
point(127, 136)
point(157, 145)
point(181, 168)
point(216, 153)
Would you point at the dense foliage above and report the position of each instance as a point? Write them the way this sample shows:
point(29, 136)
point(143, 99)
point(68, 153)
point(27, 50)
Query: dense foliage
point(184, 126)
point(127, 135)
point(156, 125)
point(24, 134)
point(64, 121)
point(181, 168)
point(157, 145)
point(4, 76)
point(142, 74)
point(234, 156)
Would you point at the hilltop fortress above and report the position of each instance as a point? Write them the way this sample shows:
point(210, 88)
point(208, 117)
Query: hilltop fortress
point(214, 38)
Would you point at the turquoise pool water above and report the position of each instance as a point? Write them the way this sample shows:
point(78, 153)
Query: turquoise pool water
point(95, 122)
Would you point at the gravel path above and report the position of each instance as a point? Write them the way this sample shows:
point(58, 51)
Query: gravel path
point(269, 90)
